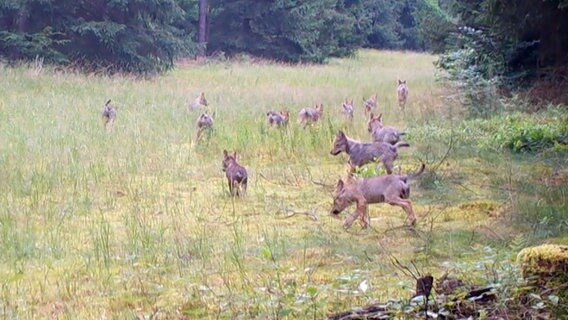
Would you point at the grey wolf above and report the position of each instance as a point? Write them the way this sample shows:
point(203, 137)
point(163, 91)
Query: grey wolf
point(380, 133)
point(363, 153)
point(310, 115)
point(199, 102)
point(204, 123)
point(370, 104)
point(277, 119)
point(347, 109)
point(402, 93)
point(236, 174)
point(109, 115)
point(391, 189)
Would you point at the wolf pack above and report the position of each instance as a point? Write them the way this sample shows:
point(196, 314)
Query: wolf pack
point(391, 188)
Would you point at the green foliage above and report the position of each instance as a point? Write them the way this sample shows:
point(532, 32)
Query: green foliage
point(132, 36)
point(503, 45)
point(516, 132)
point(283, 30)
point(379, 21)
point(433, 25)
point(475, 68)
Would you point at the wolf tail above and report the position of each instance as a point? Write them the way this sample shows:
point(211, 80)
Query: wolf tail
point(416, 174)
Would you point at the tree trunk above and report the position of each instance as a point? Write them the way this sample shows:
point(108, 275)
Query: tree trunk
point(202, 36)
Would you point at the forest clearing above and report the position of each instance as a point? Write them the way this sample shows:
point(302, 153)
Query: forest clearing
point(136, 220)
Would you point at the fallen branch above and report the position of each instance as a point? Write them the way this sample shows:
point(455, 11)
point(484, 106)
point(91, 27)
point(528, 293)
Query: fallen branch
point(291, 212)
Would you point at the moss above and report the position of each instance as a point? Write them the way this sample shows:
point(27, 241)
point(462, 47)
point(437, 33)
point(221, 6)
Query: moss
point(545, 268)
point(545, 261)
point(486, 207)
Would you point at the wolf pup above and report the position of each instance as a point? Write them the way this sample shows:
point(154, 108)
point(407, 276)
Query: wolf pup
point(277, 119)
point(310, 115)
point(391, 189)
point(199, 102)
point(370, 104)
point(362, 153)
point(347, 110)
point(402, 93)
point(204, 124)
point(235, 173)
point(109, 115)
point(380, 133)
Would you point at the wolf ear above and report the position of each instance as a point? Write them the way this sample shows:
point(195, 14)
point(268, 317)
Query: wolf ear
point(235, 155)
point(340, 134)
point(225, 153)
point(399, 81)
point(379, 117)
point(339, 186)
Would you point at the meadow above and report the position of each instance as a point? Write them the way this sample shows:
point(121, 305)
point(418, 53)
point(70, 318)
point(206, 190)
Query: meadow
point(137, 221)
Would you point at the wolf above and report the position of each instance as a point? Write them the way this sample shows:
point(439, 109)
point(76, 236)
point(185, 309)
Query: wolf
point(391, 189)
point(109, 115)
point(277, 119)
point(370, 104)
point(402, 93)
point(236, 174)
point(310, 115)
point(204, 123)
point(380, 133)
point(364, 153)
point(199, 102)
point(347, 109)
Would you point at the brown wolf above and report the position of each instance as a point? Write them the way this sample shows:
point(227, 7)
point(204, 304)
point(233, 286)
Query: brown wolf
point(310, 115)
point(380, 133)
point(277, 119)
point(391, 189)
point(199, 102)
point(402, 93)
point(370, 104)
point(347, 109)
point(109, 115)
point(236, 174)
point(363, 153)
point(204, 124)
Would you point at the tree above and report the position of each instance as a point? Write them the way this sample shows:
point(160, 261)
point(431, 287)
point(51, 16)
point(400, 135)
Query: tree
point(202, 21)
point(143, 36)
point(285, 30)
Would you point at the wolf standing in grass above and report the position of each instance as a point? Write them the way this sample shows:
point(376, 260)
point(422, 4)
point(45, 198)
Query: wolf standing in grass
point(277, 119)
point(310, 115)
point(109, 115)
point(199, 102)
point(402, 93)
point(204, 124)
point(347, 110)
point(380, 133)
point(370, 104)
point(236, 174)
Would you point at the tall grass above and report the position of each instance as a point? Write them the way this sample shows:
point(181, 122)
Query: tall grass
point(137, 221)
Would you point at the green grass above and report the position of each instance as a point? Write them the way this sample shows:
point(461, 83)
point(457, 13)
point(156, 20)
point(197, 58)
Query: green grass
point(138, 222)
